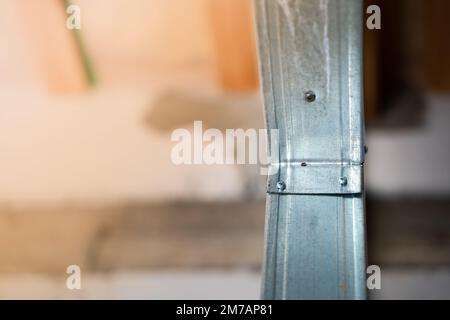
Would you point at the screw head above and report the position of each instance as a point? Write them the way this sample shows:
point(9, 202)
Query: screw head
point(310, 96)
point(343, 181)
point(281, 186)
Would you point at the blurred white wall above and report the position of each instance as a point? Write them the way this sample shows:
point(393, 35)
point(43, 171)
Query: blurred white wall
point(95, 146)
point(414, 161)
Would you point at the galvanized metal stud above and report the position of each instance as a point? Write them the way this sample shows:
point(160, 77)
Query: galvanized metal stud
point(311, 52)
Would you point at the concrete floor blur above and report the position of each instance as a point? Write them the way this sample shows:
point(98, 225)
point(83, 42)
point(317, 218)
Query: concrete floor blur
point(206, 284)
point(200, 250)
point(137, 236)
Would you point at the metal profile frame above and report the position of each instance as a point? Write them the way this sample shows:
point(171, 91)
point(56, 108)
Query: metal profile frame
point(311, 71)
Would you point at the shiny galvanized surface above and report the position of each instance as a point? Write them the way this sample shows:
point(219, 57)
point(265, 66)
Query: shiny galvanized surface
point(311, 67)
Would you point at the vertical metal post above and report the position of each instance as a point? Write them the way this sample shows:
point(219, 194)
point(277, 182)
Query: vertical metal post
point(311, 68)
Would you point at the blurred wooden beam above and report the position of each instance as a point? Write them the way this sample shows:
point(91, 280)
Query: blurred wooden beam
point(401, 64)
point(371, 70)
point(437, 49)
point(234, 44)
point(53, 45)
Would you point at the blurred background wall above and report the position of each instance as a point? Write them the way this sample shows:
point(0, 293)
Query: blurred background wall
point(86, 172)
point(86, 176)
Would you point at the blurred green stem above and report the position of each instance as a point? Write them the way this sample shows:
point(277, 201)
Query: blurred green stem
point(85, 59)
